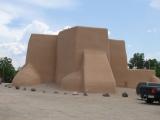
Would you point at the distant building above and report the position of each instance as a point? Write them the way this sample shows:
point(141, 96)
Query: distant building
point(79, 59)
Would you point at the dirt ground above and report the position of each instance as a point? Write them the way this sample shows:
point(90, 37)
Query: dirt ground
point(44, 104)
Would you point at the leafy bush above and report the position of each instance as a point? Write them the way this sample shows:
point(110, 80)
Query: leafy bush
point(7, 70)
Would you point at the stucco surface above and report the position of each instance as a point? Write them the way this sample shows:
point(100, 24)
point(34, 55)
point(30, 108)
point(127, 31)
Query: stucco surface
point(118, 60)
point(79, 59)
point(65, 61)
point(98, 76)
point(27, 76)
point(42, 56)
point(126, 77)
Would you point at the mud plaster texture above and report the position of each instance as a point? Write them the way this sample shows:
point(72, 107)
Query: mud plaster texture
point(80, 59)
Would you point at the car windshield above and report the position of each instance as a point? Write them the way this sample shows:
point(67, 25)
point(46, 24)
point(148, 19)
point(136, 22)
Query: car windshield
point(154, 84)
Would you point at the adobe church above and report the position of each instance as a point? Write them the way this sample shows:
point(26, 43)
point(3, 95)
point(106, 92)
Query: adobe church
point(79, 59)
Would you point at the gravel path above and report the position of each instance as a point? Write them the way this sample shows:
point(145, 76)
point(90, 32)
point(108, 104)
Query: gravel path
point(40, 105)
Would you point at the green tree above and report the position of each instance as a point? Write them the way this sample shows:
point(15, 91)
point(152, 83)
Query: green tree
point(153, 64)
point(158, 70)
point(137, 61)
point(7, 71)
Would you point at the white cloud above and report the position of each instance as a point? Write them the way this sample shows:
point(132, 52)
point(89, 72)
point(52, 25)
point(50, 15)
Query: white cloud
point(18, 61)
point(109, 33)
point(57, 31)
point(153, 30)
point(11, 11)
point(129, 46)
point(149, 30)
point(29, 10)
point(52, 4)
point(13, 42)
point(5, 17)
point(19, 7)
point(155, 55)
point(1, 53)
point(15, 48)
point(155, 4)
point(13, 36)
point(8, 34)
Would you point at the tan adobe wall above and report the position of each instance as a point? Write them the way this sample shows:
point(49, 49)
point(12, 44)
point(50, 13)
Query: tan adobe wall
point(133, 77)
point(124, 76)
point(40, 60)
point(42, 55)
point(70, 50)
point(118, 60)
point(79, 59)
point(65, 61)
point(27, 76)
point(97, 72)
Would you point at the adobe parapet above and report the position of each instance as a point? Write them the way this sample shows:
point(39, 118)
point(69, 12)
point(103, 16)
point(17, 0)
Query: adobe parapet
point(79, 59)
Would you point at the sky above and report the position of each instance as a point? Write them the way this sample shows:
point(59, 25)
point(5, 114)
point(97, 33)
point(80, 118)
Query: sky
point(135, 21)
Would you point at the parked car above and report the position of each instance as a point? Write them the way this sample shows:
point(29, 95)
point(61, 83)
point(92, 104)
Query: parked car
point(149, 91)
point(139, 85)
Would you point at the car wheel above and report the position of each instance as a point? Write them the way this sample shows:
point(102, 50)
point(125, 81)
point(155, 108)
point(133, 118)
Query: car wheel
point(150, 101)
